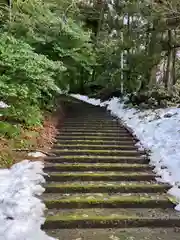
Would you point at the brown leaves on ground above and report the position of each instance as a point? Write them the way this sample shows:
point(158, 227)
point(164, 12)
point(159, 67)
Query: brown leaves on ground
point(34, 139)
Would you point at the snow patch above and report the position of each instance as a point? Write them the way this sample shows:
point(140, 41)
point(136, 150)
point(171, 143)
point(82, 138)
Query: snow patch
point(93, 101)
point(159, 132)
point(21, 212)
point(36, 154)
point(3, 105)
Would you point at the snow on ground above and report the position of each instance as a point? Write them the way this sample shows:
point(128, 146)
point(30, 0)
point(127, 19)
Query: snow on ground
point(21, 212)
point(3, 105)
point(159, 132)
point(36, 154)
point(93, 101)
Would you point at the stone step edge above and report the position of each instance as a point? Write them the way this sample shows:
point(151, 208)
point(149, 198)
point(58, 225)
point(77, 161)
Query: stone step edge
point(100, 177)
point(99, 142)
point(111, 202)
point(97, 157)
point(93, 167)
point(134, 188)
point(96, 133)
point(98, 151)
point(80, 159)
point(95, 137)
point(93, 145)
point(54, 222)
point(115, 129)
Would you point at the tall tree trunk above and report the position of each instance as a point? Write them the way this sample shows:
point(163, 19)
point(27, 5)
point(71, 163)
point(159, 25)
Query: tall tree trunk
point(174, 67)
point(100, 5)
point(151, 50)
point(128, 50)
point(101, 8)
point(169, 67)
point(174, 61)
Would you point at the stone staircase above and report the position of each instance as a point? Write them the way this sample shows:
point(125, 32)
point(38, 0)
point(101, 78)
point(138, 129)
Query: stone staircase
point(100, 186)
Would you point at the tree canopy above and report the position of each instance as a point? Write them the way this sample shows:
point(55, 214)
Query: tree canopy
point(95, 47)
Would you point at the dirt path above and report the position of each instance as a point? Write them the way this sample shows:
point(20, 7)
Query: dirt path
point(100, 187)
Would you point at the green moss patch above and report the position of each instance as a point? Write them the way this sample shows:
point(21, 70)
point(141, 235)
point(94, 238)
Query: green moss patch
point(111, 188)
point(110, 202)
point(100, 167)
point(103, 176)
point(97, 152)
point(75, 221)
point(94, 146)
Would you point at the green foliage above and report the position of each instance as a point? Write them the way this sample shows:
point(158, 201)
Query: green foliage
point(43, 50)
point(26, 79)
point(136, 40)
point(9, 130)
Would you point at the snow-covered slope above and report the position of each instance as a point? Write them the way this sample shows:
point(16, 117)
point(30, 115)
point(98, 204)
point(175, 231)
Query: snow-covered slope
point(21, 212)
point(159, 132)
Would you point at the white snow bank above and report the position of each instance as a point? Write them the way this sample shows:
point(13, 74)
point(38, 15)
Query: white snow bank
point(21, 212)
point(3, 105)
point(93, 101)
point(159, 132)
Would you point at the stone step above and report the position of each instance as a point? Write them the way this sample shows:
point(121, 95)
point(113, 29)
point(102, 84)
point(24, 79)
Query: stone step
point(100, 176)
point(91, 118)
point(86, 126)
point(129, 142)
point(94, 146)
point(97, 159)
point(55, 196)
point(106, 187)
point(98, 179)
point(107, 201)
point(111, 218)
point(83, 121)
point(116, 234)
point(91, 114)
point(96, 133)
point(112, 128)
point(94, 137)
point(109, 126)
point(93, 130)
point(97, 167)
point(96, 152)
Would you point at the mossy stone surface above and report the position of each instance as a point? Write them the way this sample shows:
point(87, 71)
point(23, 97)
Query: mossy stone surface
point(116, 193)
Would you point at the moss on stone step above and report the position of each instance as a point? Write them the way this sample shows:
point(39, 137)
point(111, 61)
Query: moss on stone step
point(94, 146)
point(97, 157)
point(101, 188)
point(94, 129)
point(69, 222)
point(97, 152)
point(105, 196)
point(96, 133)
point(110, 202)
point(130, 141)
point(96, 166)
point(98, 142)
point(117, 137)
point(116, 234)
point(104, 176)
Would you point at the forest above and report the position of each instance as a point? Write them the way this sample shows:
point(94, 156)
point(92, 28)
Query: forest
point(99, 48)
